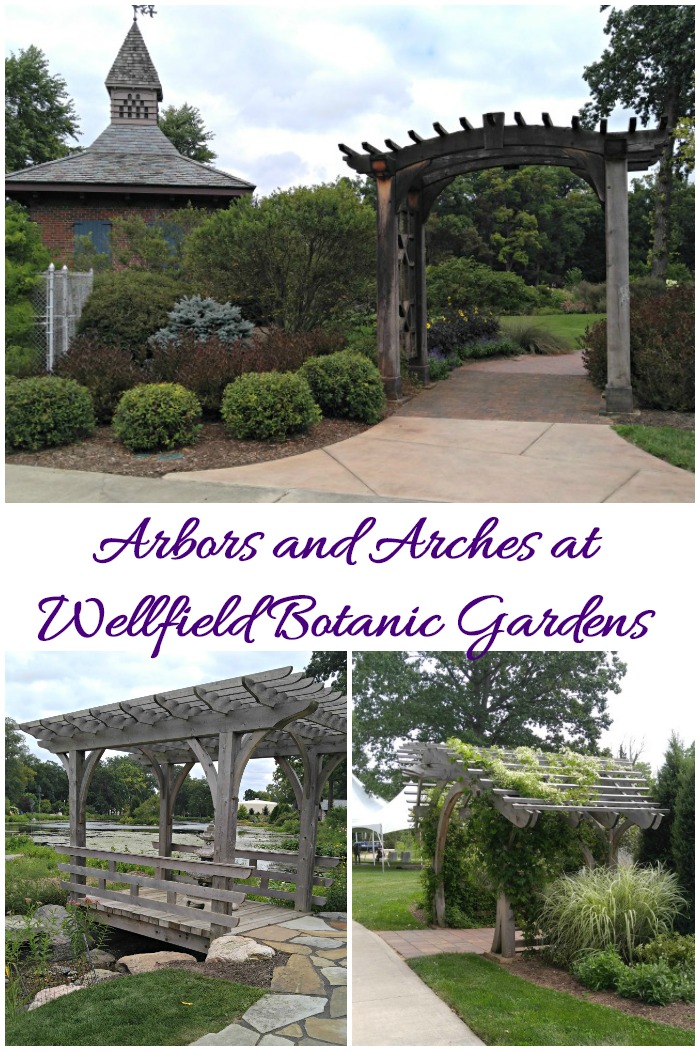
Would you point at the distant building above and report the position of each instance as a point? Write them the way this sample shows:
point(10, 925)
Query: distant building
point(132, 168)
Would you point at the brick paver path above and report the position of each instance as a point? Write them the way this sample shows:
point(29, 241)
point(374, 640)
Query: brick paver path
point(427, 943)
point(535, 387)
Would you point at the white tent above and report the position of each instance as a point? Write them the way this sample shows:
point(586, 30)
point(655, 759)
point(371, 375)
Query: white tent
point(367, 811)
point(364, 807)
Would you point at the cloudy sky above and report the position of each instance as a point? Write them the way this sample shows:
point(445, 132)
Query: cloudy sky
point(43, 684)
point(281, 86)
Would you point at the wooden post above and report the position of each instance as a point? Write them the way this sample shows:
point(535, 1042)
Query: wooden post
point(443, 824)
point(226, 819)
point(504, 934)
point(388, 333)
point(618, 392)
point(419, 364)
point(76, 807)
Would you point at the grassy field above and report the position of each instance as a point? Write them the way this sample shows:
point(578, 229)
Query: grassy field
point(508, 1011)
point(159, 1009)
point(381, 900)
point(668, 443)
point(568, 327)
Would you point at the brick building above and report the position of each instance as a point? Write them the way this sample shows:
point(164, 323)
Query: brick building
point(131, 168)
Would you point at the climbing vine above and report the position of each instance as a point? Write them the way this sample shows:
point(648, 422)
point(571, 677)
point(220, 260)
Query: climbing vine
point(520, 862)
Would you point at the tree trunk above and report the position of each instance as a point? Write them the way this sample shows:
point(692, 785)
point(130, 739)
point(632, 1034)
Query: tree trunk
point(664, 192)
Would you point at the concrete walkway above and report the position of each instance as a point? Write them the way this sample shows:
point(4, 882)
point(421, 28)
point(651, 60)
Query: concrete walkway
point(391, 1006)
point(502, 431)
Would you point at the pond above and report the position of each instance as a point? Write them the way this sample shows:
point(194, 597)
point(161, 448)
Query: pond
point(139, 839)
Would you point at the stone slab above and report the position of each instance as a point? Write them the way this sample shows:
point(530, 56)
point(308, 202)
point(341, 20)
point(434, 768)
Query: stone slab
point(307, 923)
point(313, 940)
point(143, 962)
point(232, 1036)
point(274, 931)
point(295, 1031)
point(330, 1030)
point(339, 1002)
point(335, 975)
point(277, 1009)
point(290, 947)
point(333, 954)
point(275, 1040)
point(297, 976)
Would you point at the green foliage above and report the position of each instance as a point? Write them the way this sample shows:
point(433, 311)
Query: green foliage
point(599, 970)
point(438, 369)
point(683, 838)
point(25, 257)
point(655, 983)
point(157, 416)
point(597, 908)
point(32, 879)
point(337, 895)
point(504, 699)
point(677, 950)
point(157, 246)
point(662, 347)
point(104, 369)
point(330, 667)
point(39, 114)
point(673, 444)
point(490, 348)
point(118, 785)
point(21, 362)
point(295, 259)
point(46, 411)
point(497, 1006)
point(346, 385)
point(268, 406)
point(127, 307)
point(184, 126)
point(463, 284)
point(148, 812)
point(203, 317)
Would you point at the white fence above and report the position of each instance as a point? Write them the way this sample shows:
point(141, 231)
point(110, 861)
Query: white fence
point(59, 299)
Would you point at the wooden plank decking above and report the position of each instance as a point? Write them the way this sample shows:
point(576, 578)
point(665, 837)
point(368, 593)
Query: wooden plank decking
point(175, 930)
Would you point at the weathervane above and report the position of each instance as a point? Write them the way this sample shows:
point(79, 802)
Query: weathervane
point(144, 9)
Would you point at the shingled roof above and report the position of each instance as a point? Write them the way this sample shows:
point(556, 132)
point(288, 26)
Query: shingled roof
point(133, 66)
point(132, 151)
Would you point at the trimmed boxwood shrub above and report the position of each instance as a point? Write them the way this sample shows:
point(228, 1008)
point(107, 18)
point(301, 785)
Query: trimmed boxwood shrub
point(662, 346)
point(126, 307)
point(157, 416)
point(46, 410)
point(346, 385)
point(268, 406)
point(106, 370)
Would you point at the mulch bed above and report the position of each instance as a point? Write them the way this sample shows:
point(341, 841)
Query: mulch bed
point(683, 421)
point(540, 973)
point(253, 972)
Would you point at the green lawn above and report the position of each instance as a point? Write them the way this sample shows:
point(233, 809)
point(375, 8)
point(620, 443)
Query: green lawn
point(162, 1008)
point(668, 443)
point(505, 1010)
point(381, 900)
point(568, 327)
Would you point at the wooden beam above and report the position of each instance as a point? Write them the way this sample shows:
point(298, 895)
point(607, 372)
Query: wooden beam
point(547, 120)
point(465, 124)
point(520, 120)
point(415, 136)
point(439, 128)
point(152, 903)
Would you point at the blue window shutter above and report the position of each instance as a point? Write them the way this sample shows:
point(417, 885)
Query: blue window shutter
point(98, 230)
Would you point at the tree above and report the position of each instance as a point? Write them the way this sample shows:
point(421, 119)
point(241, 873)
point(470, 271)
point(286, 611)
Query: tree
point(25, 258)
point(648, 67)
point(683, 836)
point(19, 773)
point(544, 700)
point(296, 259)
point(656, 846)
point(329, 666)
point(184, 126)
point(119, 785)
point(39, 113)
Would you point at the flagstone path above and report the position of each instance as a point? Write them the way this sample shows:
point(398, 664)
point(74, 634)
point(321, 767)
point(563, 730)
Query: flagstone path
point(307, 1002)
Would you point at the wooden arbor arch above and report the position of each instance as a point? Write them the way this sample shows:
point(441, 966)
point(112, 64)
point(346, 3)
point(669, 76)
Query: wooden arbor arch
point(618, 800)
point(410, 178)
point(223, 724)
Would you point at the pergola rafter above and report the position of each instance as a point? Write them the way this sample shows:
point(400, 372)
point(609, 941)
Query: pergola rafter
point(618, 799)
point(222, 725)
point(410, 178)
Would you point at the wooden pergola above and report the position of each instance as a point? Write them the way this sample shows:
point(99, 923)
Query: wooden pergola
point(222, 725)
point(618, 799)
point(410, 178)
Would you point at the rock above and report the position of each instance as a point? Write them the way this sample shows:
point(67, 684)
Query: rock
point(317, 943)
point(231, 1036)
point(101, 975)
point(307, 923)
point(231, 948)
point(333, 954)
point(143, 962)
point(297, 976)
point(301, 950)
point(275, 1040)
point(339, 1002)
point(45, 996)
point(333, 915)
point(276, 1010)
point(102, 959)
point(335, 975)
point(53, 913)
point(294, 1030)
point(331, 1030)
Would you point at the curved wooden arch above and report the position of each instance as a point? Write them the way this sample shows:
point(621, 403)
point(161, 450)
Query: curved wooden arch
point(409, 180)
point(448, 806)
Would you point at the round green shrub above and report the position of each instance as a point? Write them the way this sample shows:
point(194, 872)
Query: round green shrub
point(45, 410)
point(267, 406)
point(655, 983)
point(677, 950)
point(599, 970)
point(346, 385)
point(126, 307)
point(157, 416)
